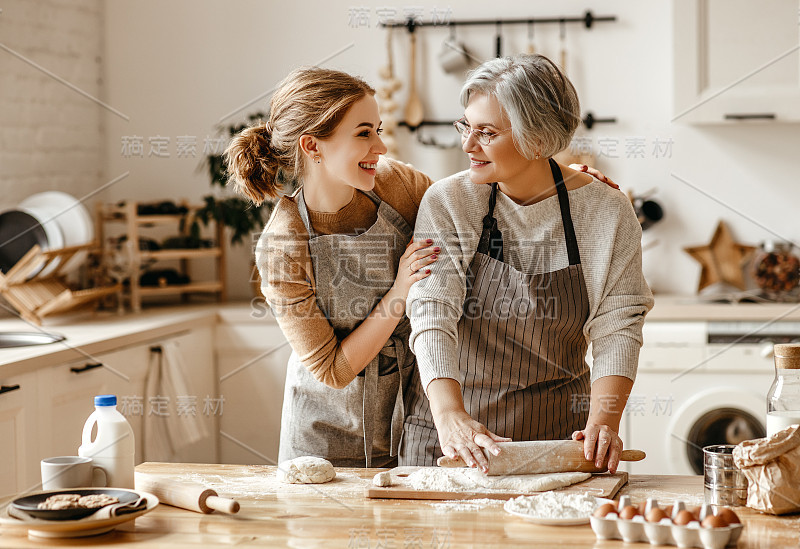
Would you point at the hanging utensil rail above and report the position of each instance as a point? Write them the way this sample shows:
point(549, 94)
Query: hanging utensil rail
point(588, 19)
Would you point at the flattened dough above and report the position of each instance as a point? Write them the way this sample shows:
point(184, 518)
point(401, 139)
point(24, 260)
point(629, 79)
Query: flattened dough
point(306, 470)
point(473, 480)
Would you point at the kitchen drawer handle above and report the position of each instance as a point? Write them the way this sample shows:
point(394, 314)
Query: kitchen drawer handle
point(8, 388)
point(86, 368)
point(752, 116)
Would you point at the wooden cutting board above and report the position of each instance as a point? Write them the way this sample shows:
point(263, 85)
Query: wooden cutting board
point(603, 485)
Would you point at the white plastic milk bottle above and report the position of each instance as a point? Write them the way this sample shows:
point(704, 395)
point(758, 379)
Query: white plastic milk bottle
point(113, 448)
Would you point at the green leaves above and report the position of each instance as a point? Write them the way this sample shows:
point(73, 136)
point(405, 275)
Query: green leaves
point(241, 216)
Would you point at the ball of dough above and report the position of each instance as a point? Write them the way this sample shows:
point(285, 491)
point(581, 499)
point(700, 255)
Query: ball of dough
point(384, 478)
point(306, 470)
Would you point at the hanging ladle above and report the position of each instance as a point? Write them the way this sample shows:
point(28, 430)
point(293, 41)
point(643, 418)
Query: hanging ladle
point(414, 112)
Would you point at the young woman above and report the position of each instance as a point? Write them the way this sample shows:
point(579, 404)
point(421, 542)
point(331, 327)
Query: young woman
point(336, 264)
point(537, 261)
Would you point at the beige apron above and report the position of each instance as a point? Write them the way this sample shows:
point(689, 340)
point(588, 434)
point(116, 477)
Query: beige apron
point(521, 347)
point(361, 424)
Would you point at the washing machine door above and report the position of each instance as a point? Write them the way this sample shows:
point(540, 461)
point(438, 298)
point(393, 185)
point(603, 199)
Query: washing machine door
point(722, 415)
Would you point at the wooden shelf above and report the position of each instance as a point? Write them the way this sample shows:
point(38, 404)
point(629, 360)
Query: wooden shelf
point(192, 287)
point(126, 213)
point(181, 253)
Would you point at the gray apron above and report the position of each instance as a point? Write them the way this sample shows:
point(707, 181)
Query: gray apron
point(521, 347)
point(361, 424)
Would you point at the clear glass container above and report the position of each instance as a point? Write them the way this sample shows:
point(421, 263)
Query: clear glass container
point(783, 399)
point(776, 271)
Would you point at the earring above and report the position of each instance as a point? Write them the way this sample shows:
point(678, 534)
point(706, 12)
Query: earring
point(536, 156)
point(317, 159)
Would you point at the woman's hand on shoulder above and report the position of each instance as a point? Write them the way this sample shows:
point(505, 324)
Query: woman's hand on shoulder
point(600, 443)
point(594, 173)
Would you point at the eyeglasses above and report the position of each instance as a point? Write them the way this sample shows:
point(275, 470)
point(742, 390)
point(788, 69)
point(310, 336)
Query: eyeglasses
point(482, 137)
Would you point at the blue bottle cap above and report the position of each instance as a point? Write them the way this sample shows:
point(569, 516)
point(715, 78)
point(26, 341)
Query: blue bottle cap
point(105, 400)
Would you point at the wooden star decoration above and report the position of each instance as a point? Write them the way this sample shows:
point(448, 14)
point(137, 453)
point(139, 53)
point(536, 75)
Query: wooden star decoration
point(722, 259)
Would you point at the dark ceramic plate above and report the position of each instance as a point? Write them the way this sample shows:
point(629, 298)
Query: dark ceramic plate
point(29, 504)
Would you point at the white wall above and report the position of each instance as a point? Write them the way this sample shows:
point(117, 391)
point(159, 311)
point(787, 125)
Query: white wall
point(51, 137)
point(175, 68)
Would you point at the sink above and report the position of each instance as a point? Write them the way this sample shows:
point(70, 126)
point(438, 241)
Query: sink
point(25, 339)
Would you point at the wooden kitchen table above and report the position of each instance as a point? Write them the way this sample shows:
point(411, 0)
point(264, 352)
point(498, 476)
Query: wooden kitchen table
point(338, 515)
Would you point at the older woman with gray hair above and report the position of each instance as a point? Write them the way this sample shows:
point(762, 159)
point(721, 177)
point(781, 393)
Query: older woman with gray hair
point(502, 325)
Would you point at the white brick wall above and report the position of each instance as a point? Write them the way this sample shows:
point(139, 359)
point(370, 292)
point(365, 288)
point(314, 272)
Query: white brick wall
point(51, 137)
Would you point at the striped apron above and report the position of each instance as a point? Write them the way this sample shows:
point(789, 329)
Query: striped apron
point(361, 424)
point(521, 347)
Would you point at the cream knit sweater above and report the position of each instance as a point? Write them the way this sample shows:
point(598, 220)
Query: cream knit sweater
point(609, 240)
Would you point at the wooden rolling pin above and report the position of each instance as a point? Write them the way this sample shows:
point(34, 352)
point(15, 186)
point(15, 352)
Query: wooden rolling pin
point(186, 495)
point(541, 456)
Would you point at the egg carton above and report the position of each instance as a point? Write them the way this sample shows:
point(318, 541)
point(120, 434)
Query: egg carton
point(665, 532)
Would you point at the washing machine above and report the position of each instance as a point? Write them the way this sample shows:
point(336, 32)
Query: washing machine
point(699, 383)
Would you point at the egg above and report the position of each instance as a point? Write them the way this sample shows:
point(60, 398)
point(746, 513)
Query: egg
point(714, 521)
point(729, 516)
point(655, 515)
point(696, 512)
point(604, 509)
point(684, 517)
point(668, 511)
point(628, 512)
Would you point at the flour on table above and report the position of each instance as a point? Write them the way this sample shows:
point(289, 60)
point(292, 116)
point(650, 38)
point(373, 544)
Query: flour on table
point(306, 470)
point(464, 505)
point(473, 480)
point(553, 505)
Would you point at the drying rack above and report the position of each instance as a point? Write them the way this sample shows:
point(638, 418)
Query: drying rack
point(44, 295)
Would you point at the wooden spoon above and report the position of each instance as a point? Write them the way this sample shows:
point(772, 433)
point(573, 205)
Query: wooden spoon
point(414, 112)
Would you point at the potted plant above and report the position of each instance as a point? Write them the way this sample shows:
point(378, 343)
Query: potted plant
point(239, 214)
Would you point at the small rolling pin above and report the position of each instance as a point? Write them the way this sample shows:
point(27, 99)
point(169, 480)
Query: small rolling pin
point(541, 456)
point(186, 495)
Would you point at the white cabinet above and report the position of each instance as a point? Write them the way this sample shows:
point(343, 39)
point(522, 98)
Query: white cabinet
point(68, 391)
point(19, 436)
point(252, 358)
point(67, 394)
point(736, 60)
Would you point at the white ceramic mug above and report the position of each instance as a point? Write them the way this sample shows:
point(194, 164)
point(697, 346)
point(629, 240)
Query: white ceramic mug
point(65, 472)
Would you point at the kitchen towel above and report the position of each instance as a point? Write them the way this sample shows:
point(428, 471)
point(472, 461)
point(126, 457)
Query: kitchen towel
point(172, 424)
point(772, 468)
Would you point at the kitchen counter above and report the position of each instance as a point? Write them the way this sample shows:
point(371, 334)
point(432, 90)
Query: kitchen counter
point(687, 307)
point(95, 333)
point(338, 515)
point(92, 333)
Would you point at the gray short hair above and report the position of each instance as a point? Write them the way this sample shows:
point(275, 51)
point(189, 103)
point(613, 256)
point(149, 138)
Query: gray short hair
point(537, 98)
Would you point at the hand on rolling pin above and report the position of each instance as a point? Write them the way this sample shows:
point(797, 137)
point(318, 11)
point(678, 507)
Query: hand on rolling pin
point(459, 434)
point(600, 442)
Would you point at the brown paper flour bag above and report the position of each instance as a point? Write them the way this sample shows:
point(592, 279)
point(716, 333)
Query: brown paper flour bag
point(772, 468)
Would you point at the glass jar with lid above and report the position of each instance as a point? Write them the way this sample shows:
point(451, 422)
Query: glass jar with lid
point(776, 271)
point(783, 399)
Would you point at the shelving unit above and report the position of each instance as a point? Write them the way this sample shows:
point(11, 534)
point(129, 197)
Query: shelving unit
point(127, 213)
